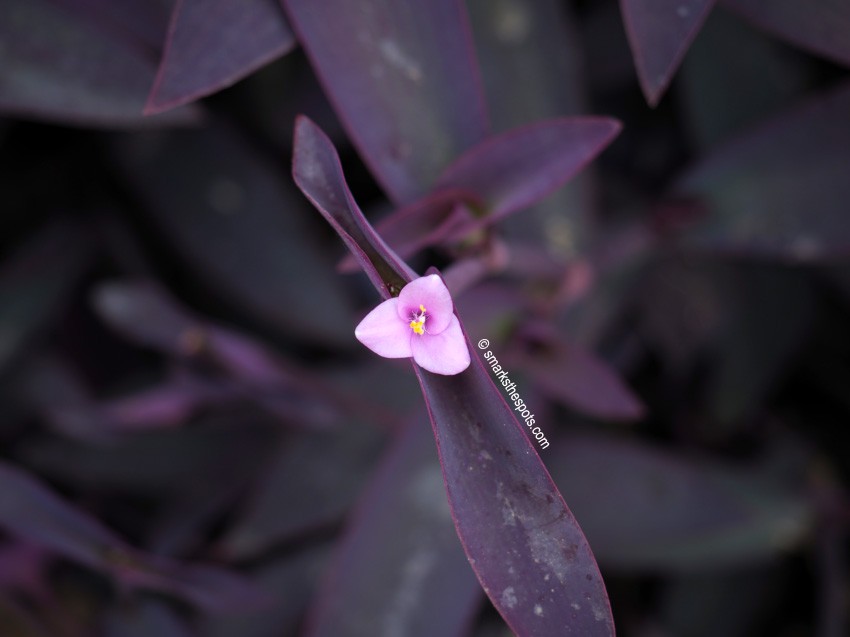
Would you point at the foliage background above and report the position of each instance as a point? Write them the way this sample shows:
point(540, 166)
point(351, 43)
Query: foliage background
point(193, 443)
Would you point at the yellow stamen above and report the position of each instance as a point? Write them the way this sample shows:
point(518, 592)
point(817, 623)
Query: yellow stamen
point(418, 322)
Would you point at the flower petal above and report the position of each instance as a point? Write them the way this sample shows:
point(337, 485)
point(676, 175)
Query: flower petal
point(444, 353)
point(431, 292)
point(384, 333)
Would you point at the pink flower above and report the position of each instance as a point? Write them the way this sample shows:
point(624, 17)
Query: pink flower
point(420, 322)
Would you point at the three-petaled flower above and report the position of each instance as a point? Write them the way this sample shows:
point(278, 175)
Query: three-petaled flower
point(419, 322)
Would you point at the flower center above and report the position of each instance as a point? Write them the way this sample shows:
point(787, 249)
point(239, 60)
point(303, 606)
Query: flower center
point(418, 322)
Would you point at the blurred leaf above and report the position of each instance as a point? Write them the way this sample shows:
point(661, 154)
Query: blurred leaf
point(292, 579)
point(513, 170)
point(59, 67)
point(568, 373)
point(146, 314)
point(524, 544)
point(820, 26)
point(399, 569)
point(501, 175)
point(154, 462)
point(643, 508)
point(403, 79)
point(779, 191)
point(311, 493)
point(237, 223)
point(31, 511)
point(211, 45)
point(35, 281)
point(144, 618)
point(660, 32)
point(140, 23)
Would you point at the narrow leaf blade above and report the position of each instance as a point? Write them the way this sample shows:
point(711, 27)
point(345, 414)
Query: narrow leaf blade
point(660, 32)
point(211, 45)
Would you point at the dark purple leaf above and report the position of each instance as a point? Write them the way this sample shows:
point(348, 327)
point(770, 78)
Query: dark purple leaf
point(292, 579)
point(660, 32)
point(521, 539)
point(513, 170)
point(171, 462)
point(501, 175)
point(820, 26)
point(779, 191)
point(29, 510)
point(429, 221)
point(400, 569)
point(212, 44)
point(146, 314)
point(234, 220)
point(403, 79)
point(312, 494)
point(59, 67)
point(568, 373)
point(646, 508)
point(35, 281)
point(142, 23)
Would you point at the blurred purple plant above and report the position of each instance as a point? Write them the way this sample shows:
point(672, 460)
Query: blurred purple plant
point(193, 444)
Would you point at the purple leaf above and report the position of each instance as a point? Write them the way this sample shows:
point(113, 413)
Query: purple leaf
point(501, 175)
point(569, 373)
point(524, 544)
point(660, 32)
point(779, 191)
point(29, 510)
point(820, 26)
point(513, 170)
point(212, 44)
point(146, 314)
point(292, 579)
point(403, 79)
point(400, 568)
point(664, 511)
point(236, 224)
point(142, 23)
point(59, 67)
point(318, 173)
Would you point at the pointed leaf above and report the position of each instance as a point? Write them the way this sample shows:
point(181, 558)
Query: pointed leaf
point(212, 44)
point(400, 568)
point(59, 67)
point(820, 26)
point(403, 79)
point(30, 510)
point(780, 190)
point(523, 543)
point(513, 170)
point(569, 373)
point(660, 32)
